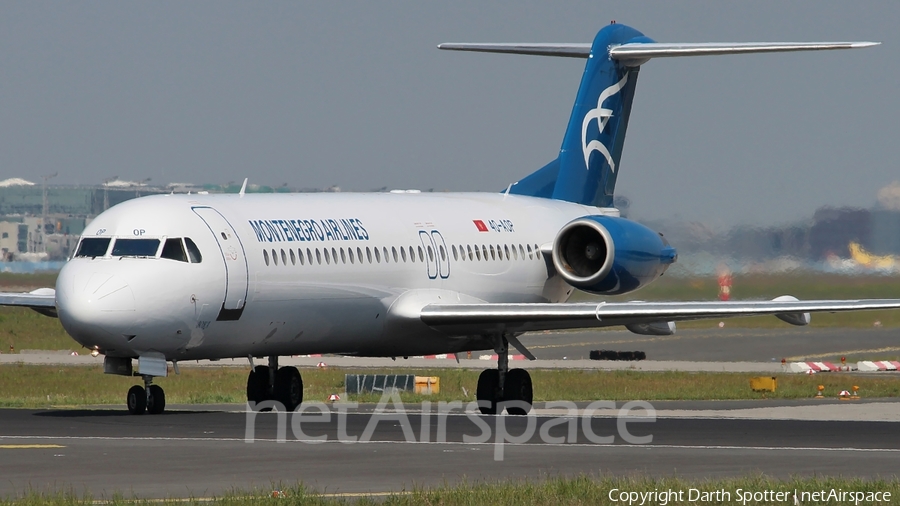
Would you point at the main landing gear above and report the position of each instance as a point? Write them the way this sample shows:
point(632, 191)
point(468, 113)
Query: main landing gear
point(272, 383)
point(504, 388)
point(149, 398)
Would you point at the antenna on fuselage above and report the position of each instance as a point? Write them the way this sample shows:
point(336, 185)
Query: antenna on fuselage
point(243, 187)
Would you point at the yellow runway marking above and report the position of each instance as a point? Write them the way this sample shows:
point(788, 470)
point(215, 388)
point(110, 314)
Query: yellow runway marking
point(28, 447)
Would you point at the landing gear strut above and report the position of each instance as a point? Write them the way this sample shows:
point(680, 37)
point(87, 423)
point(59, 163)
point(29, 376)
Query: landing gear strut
point(504, 388)
point(150, 398)
point(273, 383)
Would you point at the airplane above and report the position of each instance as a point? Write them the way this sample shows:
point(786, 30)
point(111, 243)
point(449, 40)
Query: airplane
point(169, 278)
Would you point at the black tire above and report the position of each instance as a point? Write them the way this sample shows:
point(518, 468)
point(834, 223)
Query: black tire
point(488, 391)
point(289, 387)
point(136, 400)
point(258, 385)
point(518, 389)
point(156, 400)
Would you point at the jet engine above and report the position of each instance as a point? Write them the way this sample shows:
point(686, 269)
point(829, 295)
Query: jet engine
point(608, 255)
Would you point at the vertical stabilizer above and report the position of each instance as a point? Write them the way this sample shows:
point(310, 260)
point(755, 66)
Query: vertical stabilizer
point(592, 147)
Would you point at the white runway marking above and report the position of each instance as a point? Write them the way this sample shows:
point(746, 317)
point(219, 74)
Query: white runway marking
point(460, 443)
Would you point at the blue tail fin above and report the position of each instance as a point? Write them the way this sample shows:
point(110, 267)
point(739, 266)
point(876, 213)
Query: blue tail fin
point(592, 147)
point(588, 162)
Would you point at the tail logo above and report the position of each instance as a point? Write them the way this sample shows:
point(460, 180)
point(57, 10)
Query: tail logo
point(602, 116)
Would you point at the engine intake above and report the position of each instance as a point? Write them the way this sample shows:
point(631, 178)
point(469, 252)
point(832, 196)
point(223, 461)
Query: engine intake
point(609, 255)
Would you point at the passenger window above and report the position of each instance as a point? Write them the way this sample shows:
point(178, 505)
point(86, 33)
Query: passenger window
point(369, 254)
point(377, 255)
point(93, 247)
point(455, 256)
point(283, 258)
point(359, 254)
point(493, 255)
point(403, 254)
point(343, 257)
point(484, 252)
point(522, 252)
point(412, 255)
point(537, 252)
point(318, 256)
point(350, 254)
point(309, 256)
point(469, 250)
point(174, 250)
point(300, 254)
point(327, 256)
point(384, 251)
point(293, 258)
point(266, 256)
point(193, 251)
point(135, 247)
point(274, 257)
point(394, 251)
point(421, 255)
point(430, 254)
point(529, 252)
point(478, 253)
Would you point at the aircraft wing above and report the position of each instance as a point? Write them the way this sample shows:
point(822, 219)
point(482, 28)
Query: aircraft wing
point(491, 318)
point(42, 300)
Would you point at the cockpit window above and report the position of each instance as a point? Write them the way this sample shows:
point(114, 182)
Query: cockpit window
point(135, 247)
point(193, 251)
point(173, 250)
point(93, 247)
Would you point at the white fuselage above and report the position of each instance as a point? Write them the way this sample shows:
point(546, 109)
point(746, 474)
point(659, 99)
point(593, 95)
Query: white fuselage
point(286, 274)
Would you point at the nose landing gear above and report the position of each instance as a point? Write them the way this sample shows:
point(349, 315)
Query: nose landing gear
point(504, 388)
point(150, 398)
point(283, 385)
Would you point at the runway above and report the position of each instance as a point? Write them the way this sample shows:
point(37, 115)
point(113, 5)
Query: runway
point(193, 451)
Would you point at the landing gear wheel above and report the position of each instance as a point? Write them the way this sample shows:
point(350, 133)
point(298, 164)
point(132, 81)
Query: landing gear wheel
point(258, 385)
point(289, 387)
point(487, 391)
point(156, 400)
point(136, 400)
point(518, 389)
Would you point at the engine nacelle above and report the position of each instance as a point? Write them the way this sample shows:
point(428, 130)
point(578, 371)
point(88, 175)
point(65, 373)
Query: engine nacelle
point(608, 255)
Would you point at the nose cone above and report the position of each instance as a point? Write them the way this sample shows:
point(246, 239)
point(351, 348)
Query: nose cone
point(96, 305)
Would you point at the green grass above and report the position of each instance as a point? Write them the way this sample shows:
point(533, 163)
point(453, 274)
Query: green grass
point(17, 282)
point(24, 329)
point(59, 386)
point(578, 491)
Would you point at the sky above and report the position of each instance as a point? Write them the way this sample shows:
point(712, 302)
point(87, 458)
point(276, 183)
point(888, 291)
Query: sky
point(355, 94)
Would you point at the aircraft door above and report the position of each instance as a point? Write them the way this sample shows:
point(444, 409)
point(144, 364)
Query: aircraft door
point(442, 254)
point(236, 271)
point(430, 257)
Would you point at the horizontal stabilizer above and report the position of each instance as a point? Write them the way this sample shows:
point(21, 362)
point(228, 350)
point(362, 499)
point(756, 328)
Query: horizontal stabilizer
point(643, 51)
point(565, 50)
